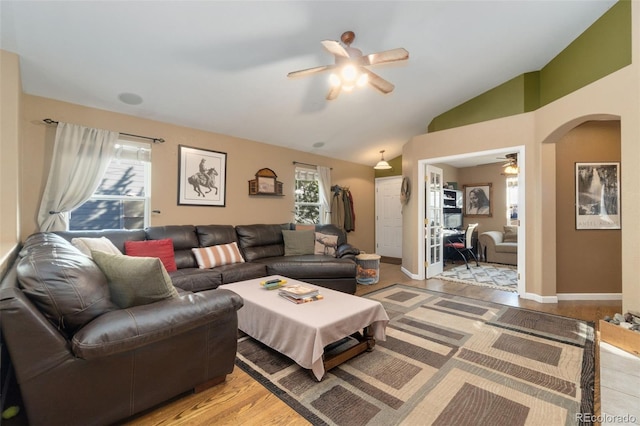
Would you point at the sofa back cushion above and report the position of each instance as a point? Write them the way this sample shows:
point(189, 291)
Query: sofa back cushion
point(184, 238)
point(213, 235)
point(64, 284)
point(260, 241)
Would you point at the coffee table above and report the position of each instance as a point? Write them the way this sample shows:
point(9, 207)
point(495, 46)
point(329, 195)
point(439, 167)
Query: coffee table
point(302, 331)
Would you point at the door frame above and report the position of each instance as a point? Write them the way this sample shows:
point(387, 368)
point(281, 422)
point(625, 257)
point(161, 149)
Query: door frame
point(422, 168)
point(376, 200)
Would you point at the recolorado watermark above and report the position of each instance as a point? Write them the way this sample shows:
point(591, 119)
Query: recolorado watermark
point(606, 418)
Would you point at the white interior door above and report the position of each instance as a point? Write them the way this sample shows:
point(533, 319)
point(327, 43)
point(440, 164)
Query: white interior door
point(388, 217)
point(433, 221)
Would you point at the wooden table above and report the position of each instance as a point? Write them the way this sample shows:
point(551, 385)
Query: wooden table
point(303, 331)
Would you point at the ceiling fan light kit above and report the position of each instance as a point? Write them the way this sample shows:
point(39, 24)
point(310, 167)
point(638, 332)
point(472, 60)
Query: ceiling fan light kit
point(349, 69)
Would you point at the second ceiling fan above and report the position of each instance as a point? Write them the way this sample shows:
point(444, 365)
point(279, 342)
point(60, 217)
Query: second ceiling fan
point(350, 67)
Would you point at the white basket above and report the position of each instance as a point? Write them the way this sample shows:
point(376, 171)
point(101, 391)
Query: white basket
point(368, 268)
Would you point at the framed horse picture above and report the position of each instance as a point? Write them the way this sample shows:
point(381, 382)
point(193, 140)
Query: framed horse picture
point(202, 177)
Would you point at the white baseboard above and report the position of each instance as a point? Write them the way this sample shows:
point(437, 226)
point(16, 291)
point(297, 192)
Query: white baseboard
point(589, 296)
point(540, 299)
point(409, 274)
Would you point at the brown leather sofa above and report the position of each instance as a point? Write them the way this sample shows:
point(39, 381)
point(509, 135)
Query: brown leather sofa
point(262, 246)
point(81, 360)
point(97, 364)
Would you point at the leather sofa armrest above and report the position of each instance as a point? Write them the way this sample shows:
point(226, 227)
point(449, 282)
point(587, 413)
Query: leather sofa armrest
point(127, 329)
point(34, 344)
point(344, 250)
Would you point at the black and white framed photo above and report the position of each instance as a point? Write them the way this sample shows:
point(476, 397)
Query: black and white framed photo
point(202, 177)
point(478, 200)
point(598, 195)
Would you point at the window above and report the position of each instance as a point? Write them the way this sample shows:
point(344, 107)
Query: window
point(512, 200)
point(308, 208)
point(123, 197)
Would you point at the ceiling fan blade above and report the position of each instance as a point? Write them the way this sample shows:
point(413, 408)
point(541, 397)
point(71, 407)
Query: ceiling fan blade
point(392, 55)
point(308, 71)
point(334, 92)
point(335, 48)
point(378, 82)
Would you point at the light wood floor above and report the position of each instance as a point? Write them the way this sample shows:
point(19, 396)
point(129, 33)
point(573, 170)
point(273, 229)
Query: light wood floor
point(243, 401)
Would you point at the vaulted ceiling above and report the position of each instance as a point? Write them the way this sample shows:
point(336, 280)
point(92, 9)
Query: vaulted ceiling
point(222, 66)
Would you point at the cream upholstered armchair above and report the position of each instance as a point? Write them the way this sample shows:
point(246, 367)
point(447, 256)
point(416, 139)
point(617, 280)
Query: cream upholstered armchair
point(500, 246)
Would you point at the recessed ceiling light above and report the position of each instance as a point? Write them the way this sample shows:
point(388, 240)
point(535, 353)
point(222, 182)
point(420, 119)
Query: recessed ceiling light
point(318, 145)
point(130, 98)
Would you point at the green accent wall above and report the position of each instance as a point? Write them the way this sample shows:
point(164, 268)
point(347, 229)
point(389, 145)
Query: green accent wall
point(395, 170)
point(603, 48)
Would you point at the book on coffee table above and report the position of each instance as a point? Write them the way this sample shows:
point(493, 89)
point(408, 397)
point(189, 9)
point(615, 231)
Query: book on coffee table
point(298, 291)
point(303, 299)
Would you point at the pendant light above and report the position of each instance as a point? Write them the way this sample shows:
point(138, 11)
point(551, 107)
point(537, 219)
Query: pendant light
point(382, 165)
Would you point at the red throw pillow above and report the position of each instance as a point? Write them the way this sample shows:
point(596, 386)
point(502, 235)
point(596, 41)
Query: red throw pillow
point(162, 249)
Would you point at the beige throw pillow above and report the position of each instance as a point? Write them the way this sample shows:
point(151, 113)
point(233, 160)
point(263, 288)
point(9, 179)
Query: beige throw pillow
point(135, 281)
point(103, 244)
point(510, 234)
point(326, 244)
point(298, 243)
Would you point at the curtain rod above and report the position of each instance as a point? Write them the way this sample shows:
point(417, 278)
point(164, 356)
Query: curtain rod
point(155, 140)
point(307, 164)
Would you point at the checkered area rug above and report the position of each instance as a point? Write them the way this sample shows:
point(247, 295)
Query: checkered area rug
point(501, 277)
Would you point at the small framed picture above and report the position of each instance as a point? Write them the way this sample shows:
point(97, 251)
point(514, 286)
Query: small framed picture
point(202, 177)
point(478, 200)
point(598, 195)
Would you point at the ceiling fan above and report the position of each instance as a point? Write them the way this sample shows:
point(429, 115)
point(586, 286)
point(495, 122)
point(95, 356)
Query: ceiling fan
point(350, 66)
point(511, 166)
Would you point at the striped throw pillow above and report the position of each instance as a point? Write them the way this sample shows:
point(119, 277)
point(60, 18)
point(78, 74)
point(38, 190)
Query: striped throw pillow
point(222, 254)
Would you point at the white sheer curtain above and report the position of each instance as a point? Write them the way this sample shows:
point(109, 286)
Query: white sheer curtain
point(80, 157)
point(324, 187)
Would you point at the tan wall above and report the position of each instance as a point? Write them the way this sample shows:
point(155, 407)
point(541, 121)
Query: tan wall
point(244, 159)
point(11, 90)
point(615, 96)
point(488, 173)
point(590, 259)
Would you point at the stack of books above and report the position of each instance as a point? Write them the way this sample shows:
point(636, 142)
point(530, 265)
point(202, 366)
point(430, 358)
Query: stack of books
point(298, 293)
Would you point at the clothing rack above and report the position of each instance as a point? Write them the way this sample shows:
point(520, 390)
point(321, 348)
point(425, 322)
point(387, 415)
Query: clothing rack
point(155, 140)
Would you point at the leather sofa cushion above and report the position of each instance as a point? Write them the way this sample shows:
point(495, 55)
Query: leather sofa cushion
point(196, 279)
point(213, 235)
point(310, 266)
point(260, 241)
point(241, 271)
point(66, 286)
point(126, 330)
point(184, 238)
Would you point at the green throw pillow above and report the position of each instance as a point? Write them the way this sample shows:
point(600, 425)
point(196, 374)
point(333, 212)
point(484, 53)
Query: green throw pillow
point(298, 242)
point(135, 280)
